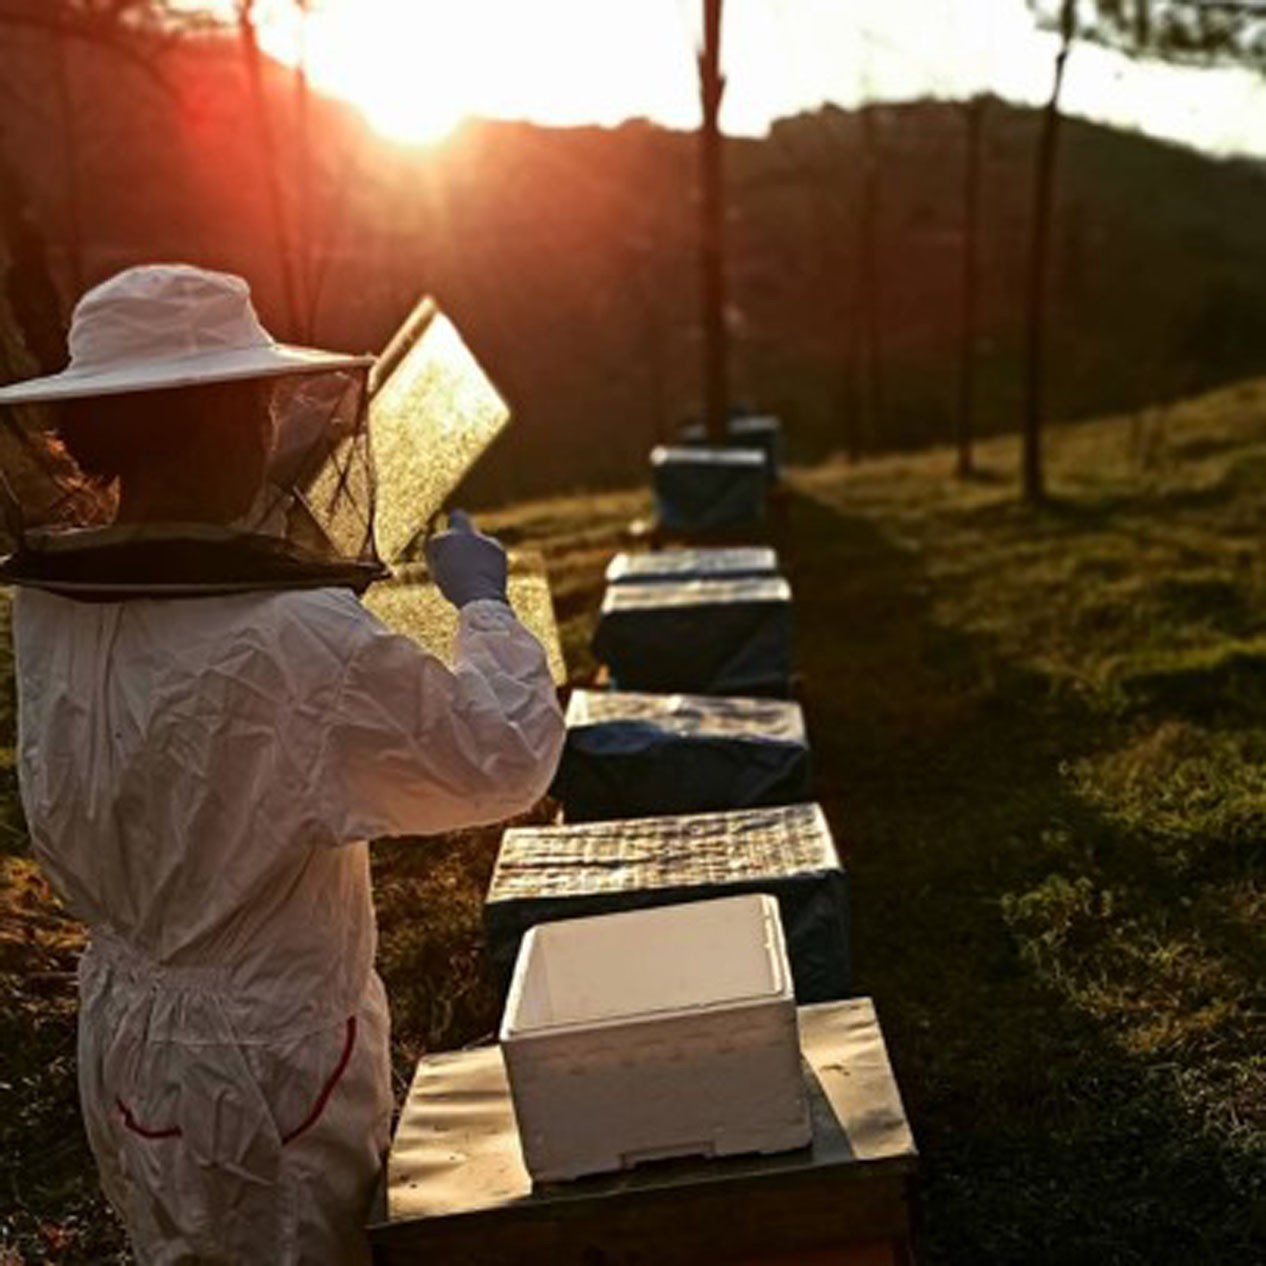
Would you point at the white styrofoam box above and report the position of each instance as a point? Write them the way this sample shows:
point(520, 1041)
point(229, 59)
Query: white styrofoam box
point(654, 1033)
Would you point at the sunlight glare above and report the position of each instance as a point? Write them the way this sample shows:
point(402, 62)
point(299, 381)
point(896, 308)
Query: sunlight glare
point(417, 68)
point(407, 64)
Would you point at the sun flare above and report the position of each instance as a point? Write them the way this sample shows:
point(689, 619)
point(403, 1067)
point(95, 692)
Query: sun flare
point(421, 115)
point(417, 68)
point(407, 64)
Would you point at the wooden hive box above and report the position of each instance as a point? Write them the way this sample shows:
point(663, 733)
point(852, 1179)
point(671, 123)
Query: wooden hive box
point(706, 637)
point(702, 491)
point(640, 755)
point(548, 873)
point(457, 1192)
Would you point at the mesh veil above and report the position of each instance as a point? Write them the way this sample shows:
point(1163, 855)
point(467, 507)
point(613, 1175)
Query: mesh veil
point(311, 521)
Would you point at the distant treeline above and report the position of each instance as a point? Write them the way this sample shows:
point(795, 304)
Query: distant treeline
point(567, 255)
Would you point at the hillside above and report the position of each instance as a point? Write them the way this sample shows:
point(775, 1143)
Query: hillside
point(567, 255)
point(1039, 734)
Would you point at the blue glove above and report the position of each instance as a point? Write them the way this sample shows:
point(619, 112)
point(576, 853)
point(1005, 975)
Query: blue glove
point(466, 565)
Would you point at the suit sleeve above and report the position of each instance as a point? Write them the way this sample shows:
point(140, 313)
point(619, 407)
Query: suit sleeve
point(418, 748)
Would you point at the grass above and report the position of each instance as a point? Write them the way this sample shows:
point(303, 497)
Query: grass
point(1042, 731)
point(1039, 735)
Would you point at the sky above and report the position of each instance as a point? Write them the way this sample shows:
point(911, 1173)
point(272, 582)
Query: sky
point(417, 66)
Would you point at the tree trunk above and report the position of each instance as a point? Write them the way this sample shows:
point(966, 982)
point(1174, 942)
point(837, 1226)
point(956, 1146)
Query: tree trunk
point(831, 293)
point(974, 117)
point(1033, 482)
point(28, 282)
point(869, 377)
point(269, 161)
point(712, 229)
point(70, 164)
point(303, 163)
point(655, 358)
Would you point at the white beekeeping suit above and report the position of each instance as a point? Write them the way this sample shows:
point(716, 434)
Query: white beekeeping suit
point(200, 777)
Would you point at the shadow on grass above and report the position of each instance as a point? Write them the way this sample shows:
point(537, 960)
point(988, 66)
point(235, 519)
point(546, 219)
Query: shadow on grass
point(1043, 1140)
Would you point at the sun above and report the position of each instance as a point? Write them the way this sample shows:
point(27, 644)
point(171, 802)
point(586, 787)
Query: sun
point(425, 115)
point(408, 65)
point(417, 68)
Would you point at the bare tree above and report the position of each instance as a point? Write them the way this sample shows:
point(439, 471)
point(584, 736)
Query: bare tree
point(1190, 31)
point(304, 245)
point(974, 124)
point(1032, 480)
point(270, 161)
point(870, 370)
point(29, 288)
point(288, 170)
point(136, 31)
point(712, 228)
point(1185, 31)
point(69, 127)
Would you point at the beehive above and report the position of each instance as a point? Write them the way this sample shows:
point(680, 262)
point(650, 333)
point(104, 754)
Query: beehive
point(751, 430)
point(701, 490)
point(549, 873)
point(653, 1034)
point(710, 637)
point(638, 755)
point(457, 1192)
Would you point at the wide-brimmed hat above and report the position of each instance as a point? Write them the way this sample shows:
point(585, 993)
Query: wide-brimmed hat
point(161, 326)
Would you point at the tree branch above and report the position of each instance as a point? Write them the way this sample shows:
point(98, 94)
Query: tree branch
point(109, 32)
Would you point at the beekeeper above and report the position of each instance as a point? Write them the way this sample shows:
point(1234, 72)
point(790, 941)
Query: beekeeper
point(201, 770)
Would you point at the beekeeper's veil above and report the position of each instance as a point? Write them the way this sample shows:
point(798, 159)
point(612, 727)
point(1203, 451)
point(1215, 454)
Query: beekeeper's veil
point(174, 329)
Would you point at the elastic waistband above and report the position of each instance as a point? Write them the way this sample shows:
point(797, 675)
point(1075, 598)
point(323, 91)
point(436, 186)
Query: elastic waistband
point(108, 949)
point(217, 1002)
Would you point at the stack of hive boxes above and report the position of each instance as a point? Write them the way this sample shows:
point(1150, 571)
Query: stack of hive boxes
point(690, 780)
point(684, 788)
point(654, 944)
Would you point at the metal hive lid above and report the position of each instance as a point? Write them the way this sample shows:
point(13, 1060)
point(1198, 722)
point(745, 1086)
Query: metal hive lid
point(763, 720)
point(696, 593)
point(433, 413)
point(702, 456)
point(692, 563)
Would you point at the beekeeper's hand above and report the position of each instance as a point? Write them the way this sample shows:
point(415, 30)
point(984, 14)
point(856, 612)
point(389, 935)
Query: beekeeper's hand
point(467, 565)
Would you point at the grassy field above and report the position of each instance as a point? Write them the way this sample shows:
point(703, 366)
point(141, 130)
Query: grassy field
point(1039, 735)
